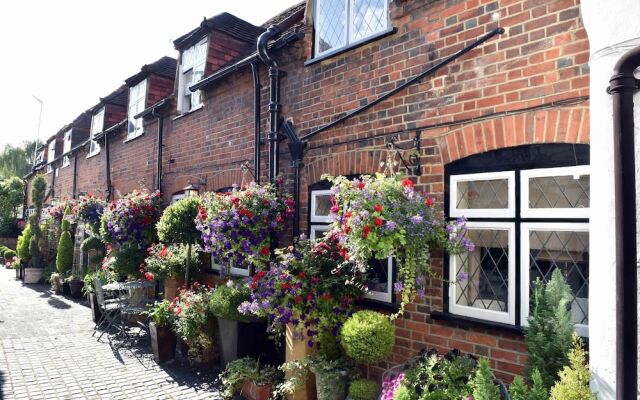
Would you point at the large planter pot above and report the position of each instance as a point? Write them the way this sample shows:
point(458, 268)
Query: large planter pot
point(75, 287)
point(251, 391)
point(163, 343)
point(228, 330)
point(172, 286)
point(332, 389)
point(96, 314)
point(66, 289)
point(33, 275)
point(297, 349)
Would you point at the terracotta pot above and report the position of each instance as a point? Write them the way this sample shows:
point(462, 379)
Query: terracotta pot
point(297, 349)
point(33, 275)
point(251, 391)
point(96, 314)
point(172, 286)
point(75, 287)
point(163, 343)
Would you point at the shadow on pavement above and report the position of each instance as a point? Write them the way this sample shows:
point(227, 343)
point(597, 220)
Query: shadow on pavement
point(55, 300)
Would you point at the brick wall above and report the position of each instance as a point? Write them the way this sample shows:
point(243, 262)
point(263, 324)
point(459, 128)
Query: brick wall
point(529, 85)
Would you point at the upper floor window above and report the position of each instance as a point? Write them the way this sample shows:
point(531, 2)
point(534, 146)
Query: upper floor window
point(39, 157)
point(66, 148)
point(51, 155)
point(343, 23)
point(97, 126)
point(191, 71)
point(137, 103)
point(518, 242)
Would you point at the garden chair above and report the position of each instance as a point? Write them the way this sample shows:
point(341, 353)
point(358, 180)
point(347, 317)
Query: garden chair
point(134, 311)
point(110, 309)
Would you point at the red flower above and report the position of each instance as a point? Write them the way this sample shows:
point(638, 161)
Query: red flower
point(365, 231)
point(361, 185)
point(377, 221)
point(406, 182)
point(163, 252)
point(377, 208)
point(347, 229)
point(326, 296)
point(348, 214)
point(302, 275)
point(298, 299)
point(315, 280)
point(309, 297)
point(285, 286)
point(429, 202)
point(264, 251)
point(148, 276)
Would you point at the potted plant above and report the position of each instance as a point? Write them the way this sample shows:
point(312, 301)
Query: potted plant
point(261, 387)
point(34, 271)
point(247, 377)
point(55, 282)
point(224, 304)
point(381, 216)
point(177, 226)
point(163, 340)
point(167, 262)
point(194, 325)
point(76, 283)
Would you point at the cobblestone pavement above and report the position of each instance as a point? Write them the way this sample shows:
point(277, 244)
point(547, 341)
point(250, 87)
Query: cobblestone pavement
point(47, 352)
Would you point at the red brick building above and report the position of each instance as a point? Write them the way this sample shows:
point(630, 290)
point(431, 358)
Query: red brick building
point(502, 133)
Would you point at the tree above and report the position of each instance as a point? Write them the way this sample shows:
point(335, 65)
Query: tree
point(23, 244)
point(64, 257)
point(11, 196)
point(37, 195)
point(18, 160)
point(483, 386)
point(574, 379)
point(548, 337)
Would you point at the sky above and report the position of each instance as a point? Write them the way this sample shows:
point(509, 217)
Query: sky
point(68, 53)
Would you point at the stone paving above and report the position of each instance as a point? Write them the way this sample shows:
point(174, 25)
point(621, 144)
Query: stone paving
point(47, 352)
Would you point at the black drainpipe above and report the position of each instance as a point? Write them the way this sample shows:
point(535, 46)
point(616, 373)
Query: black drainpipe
point(255, 68)
point(623, 84)
point(75, 175)
point(274, 99)
point(107, 166)
point(157, 114)
point(296, 149)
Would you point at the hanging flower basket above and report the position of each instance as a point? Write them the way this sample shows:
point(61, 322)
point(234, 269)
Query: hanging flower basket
point(89, 209)
point(383, 215)
point(132, 220)
point(237, 226)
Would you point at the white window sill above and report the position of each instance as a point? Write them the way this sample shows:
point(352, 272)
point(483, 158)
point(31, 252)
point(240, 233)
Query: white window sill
point(184, 114)
point(350, 46)
point(128, 139)
point(65, 165)
point(95, 153)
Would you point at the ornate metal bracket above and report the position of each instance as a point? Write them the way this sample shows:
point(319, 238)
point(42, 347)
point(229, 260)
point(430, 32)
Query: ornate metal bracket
point(411, 161)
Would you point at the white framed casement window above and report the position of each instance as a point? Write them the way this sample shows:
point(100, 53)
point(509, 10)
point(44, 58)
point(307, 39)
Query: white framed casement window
point(320, 206)
point(483, 195)
point(51, 155)
point(232, 270)
point(340, 24)
point(546, 246)
point(555, 192)
point(97, 126)
point(484, 280)
point(137, 103)
point(192, 68)
point(66, 148)
point(39, 157)
point(317, 231)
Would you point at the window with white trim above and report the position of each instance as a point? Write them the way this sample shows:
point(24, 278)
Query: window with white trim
point(191, 71)
point(39, 157)
point(51, 155)
point(380, 279)
point(137, 103)
point(492, 282)
point(97, 126)
point(341, 24)
point(66, 148)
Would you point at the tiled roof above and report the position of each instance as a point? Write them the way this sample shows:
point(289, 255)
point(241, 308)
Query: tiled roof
point(284, 15)
point(225, 22)
point(166, 66)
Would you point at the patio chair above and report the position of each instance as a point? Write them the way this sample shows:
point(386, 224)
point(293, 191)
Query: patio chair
point(129, 311)
point(110, 309)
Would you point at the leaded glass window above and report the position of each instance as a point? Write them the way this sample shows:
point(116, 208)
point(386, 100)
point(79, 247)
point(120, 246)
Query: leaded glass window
point(137, 103)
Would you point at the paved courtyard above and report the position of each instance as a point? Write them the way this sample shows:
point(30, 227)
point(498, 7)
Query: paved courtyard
point(47, 352)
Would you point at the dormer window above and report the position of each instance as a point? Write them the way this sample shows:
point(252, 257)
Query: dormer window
point(137, 97)
point(51, 155)
point(340, 24)
point(67, 148)
point(97, 126)
point(191, 71)
point(39, 158)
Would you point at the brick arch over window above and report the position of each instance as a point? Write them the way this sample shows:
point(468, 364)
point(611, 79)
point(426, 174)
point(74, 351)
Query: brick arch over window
point(564, 125)
point(351, 163)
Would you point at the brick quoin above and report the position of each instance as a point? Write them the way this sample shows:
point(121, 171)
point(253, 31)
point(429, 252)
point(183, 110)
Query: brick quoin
point(527, 86)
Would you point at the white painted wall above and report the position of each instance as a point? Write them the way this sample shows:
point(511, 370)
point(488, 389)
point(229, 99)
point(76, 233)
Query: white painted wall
point(613, 29)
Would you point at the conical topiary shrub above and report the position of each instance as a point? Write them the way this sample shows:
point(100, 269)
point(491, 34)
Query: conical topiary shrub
point(64, 258)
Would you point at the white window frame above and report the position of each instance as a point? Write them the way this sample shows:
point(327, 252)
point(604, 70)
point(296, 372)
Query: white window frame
point(51, 155)
point(177, 197)
point(137, 96)
point(66, 148)
point(490, 315)
point(525, 292)
point(193, 61)
point(525, 175)
point(313, 216)
point(349, 35)
point(316, 231)
point(233, 271)
point(39, 157)
point(97, 126)
point(509, 212)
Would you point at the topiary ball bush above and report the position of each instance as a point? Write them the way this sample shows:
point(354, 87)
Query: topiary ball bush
point(9, 254)
point(368, 337)
point(364, 389)
point(225, 300)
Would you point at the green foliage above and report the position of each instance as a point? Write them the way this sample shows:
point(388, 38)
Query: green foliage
point(574, 379)
point(91, 243)
point(177, 223)
point(328, 346)
point(38, 188)
point(548, 337)
point(11, 197)
point(23, 244)
point(332, 376)
point(226, 299)
point(126, 260)
point(161, 314)
point(9, 227)
point(64, 257)
point(518, 389)
point(39, 185)
point(368, 337)
point(364, 389)
point(538, 390)
point(164, 261)
point(405, 393)
point(483, 386)
point(8, 254)
point(247, 368)
point(17, 161)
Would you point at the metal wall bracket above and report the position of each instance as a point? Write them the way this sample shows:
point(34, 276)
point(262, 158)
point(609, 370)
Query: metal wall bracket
point(409, 156)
